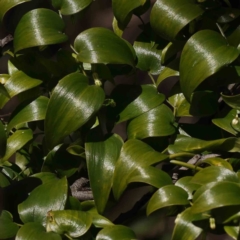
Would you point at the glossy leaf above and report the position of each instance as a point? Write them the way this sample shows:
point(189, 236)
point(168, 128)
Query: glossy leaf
point(225, 122)
point(188, 144)
point(232, 231)
point(122, 9)
point(70, 106)
point(218, 162)
point(8, 228)
point(157, 122)
point(214, 174)
point(116, 232)
point(101, 156)
point(184, 227)
point(34, 111)
point(39, 27)
point(15, 142)
point(169, 17)
point(167, 196)
point(20, 82)
point(69, 7)
point(149, 57)
point(206, 50)
point(71, 222)
point(45, 176)
point(232, 101)
point(100, 45)
point(3, 140)
point(51, 195)
point(134, 155)
point(35, 231)
point(220, 194)
point(137, 100)
point(6, 6)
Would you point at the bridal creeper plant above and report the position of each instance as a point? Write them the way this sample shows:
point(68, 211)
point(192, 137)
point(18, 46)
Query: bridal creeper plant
point(63, 125)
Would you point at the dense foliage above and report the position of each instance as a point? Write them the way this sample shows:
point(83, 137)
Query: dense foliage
point(183, 142)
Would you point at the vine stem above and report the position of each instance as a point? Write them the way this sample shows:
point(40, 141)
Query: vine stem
point(187, 165)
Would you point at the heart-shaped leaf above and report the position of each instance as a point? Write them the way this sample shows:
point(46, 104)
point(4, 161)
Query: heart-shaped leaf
point(157, 122)
point(51, 195)
point(35, 231)
point(71, 222)
point(206, 50)
point(71, 105)
point(101, 156)
point(100, 45)
point(33, 111)
point(38, 27)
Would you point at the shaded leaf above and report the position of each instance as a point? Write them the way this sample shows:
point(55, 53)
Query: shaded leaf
point(100, 45)
point(116, 232)
point(232, 101)
point(39, 27)
point(214, 174)
point(3, 180)
point(154, 123)
point(69, 7)
point(206, 50)
point(15, 142)
point(45, 176)
point(34, 111)
point(8, 228)
point(70, 106)
point(51, 195)
point(71, 222)
point(167, 196)
point(35, 231)
point(168, 17)
point(134, 154)
point(101, 156)
point(3, 140)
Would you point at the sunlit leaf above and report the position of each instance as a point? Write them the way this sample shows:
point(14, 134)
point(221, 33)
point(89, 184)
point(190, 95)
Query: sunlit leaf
point(35, 231)
point(167, 196)
point(39, 27)
point(168, 17)
point(101, 156)
point(232, 231)
point(206, 50)
point(154, 123)
point(8, 228)
point(71, 222)
point(70, 106)
point(100, 45)
point(51, 195)
point(218, 162)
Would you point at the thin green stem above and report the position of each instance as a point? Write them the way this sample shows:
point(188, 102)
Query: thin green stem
point(68, 236)
point(151, 77)
point(187, 165)
point(182, 154)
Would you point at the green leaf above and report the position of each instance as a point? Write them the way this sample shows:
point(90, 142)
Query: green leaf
point(218, 162)
point(5, 6)
point(168, 17)
point(167, 196)
point(220, 194)
point(39, 27)
point(35, 231)
point(100, 45)
point(70, 7)
point(20, 82)
point(45, 176)
point(51, 195)
point(8, 228)
point(232, 101)
point(194, 145)
point(232, 231)
point(137, 100)
point(122, 9)
point(134, 155)
point(149, 57)
point(101, 156)
point(33, 111)
point(206, 50)
point(71, 105)
point(71, 222)
point(3, 181)
point(116, 232)
point(3, 140)
point(224, 121)
point(16, 142)
point(154, 123)
point(214, 174)
point(184, 228)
